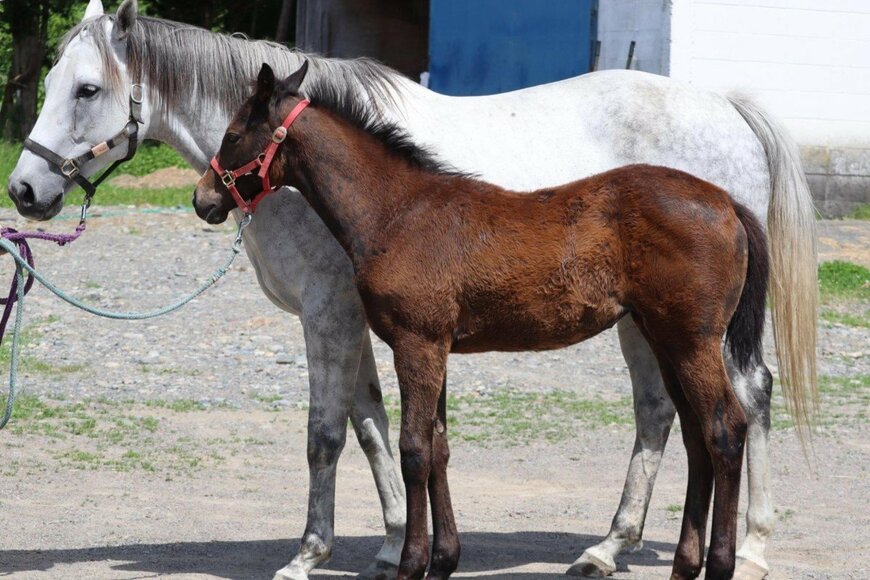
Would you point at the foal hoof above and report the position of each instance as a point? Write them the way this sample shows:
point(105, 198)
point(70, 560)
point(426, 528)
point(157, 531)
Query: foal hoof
point(592, 565)
point(379, 570)
point(749, 570)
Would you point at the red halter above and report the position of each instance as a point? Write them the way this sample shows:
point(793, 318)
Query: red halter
point(260, 164)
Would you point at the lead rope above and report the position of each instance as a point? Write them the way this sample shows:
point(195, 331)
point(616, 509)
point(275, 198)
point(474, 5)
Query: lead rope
point(15, 243)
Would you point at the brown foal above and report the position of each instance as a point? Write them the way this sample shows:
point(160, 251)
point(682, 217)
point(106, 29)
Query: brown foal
point(447, 263)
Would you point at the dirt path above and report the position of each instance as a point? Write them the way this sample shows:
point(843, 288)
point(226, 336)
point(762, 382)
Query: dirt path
point(177, 447)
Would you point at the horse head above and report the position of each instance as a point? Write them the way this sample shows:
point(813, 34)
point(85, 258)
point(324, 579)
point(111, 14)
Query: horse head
point(87, 101)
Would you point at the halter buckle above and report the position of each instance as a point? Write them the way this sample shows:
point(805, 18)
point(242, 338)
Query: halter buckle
point(279, 134)
point(69, 168)
point(136, 93)
point(228, 179)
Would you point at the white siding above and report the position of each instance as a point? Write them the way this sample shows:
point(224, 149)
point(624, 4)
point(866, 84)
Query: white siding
point(807, 61)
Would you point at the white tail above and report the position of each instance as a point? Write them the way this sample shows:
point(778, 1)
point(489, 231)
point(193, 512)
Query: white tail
point(794, 293)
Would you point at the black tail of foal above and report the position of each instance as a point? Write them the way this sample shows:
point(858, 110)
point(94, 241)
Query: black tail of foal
point(746, 329)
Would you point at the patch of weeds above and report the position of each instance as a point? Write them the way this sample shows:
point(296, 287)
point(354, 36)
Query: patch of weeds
point(91, 285)
point(674, 508)
point(862, 213)
point(81, 459)
point(857, 385)
point(515, 417)
point(177, 405)
point(266, 399)
point(859, 320)
point(842, 400)
point(785, 516)
point(839, 280)
point(28, 364)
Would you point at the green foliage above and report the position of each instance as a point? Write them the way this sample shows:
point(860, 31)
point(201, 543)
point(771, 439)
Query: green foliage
point(856, 319)
point(862, 213)
point(150, 157)
point(514, 417)
point(9, 153)
point(839, 280)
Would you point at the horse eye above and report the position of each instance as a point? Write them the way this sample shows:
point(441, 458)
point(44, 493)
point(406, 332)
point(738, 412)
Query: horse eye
point(233, 137)
point(87, 91)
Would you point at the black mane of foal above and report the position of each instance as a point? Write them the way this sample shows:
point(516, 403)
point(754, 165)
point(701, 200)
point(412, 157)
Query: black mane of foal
point(346, 104)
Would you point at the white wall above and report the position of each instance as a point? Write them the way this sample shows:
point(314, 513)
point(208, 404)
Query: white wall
point(645, 21)
point(807, 61)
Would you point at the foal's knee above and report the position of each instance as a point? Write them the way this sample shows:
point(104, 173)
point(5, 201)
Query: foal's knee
point(416, 462)
point(728, 432)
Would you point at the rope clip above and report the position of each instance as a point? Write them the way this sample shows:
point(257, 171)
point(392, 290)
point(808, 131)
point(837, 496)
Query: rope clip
point(246, 220)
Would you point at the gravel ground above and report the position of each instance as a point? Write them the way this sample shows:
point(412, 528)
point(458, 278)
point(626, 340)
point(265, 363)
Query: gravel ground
point(208, 481)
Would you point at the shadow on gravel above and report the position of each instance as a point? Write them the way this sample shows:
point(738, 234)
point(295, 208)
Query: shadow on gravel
point(482, 554)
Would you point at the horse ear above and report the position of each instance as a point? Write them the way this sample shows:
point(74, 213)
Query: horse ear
point(265, 83)
point(291, 85)
point(94, 9)
point(125, 19)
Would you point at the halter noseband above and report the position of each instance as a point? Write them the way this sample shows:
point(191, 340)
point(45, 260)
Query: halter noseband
point(260, 164)
point(70, 167)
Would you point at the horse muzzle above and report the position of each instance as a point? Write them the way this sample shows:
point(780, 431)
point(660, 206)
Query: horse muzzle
point(23, 196)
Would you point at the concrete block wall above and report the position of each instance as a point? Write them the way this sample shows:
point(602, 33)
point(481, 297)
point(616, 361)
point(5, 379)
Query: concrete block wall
point(839, 178)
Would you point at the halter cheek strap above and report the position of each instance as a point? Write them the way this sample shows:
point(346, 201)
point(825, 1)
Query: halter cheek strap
point(259, 165)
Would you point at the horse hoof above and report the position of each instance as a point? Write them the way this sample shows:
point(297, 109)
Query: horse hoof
point(592, 565)
point(749, 570)
point(379, 570)
point(290, 573)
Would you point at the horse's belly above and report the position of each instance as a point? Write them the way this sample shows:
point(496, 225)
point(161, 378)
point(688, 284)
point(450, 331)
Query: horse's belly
point(513, 332)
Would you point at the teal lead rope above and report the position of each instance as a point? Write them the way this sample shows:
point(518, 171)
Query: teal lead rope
point(22, 265)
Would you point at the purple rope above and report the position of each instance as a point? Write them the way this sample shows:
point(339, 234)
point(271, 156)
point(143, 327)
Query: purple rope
point(20, 239)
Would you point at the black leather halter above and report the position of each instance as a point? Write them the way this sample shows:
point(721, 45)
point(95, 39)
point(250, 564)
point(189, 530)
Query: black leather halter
point(70, 167)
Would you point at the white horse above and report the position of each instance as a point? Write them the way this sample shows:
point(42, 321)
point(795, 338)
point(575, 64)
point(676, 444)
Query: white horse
point(193, 80)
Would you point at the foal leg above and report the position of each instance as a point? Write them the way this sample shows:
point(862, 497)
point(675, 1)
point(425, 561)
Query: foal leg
point(445, 549)
point(420, 368)
point(654, 415)
point(700, 372)
point(689, 556)
point(753, 389)
point(369, 421)
point(334, 341)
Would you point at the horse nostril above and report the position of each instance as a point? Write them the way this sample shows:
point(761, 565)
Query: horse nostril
point(22, 194)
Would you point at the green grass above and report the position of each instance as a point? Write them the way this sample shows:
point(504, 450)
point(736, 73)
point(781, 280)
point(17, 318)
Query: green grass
point(859, 320)
point(29, 364)
point(862, 213)
point(839, 280)
point(842, 400)
point(109, 435)
point(514, 417)
point(149, 158)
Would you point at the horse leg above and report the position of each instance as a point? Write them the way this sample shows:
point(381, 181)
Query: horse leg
point(445, 548)
point(703, 381)
point(753, 389)
point(689, 556)
point(333, 347)
point(369, 420)
point(654, 415)
point(420, 367)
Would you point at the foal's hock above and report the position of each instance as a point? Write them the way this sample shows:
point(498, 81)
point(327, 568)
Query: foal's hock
point(447, 263)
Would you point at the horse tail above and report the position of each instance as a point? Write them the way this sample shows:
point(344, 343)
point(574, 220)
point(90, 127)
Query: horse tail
point(746, 328)
point(794, 284)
